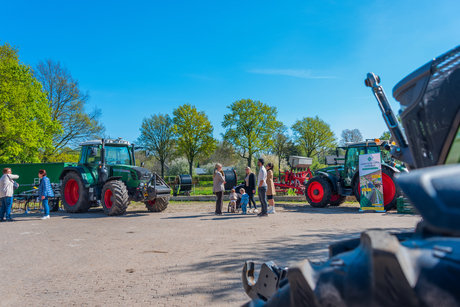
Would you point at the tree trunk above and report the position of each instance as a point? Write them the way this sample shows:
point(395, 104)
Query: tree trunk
point(279, 168)
point(250, 160)
point(190, 163)
point(162, 169)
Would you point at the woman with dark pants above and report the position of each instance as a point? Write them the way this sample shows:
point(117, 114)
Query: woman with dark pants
point(250, 188)
point(218, 187)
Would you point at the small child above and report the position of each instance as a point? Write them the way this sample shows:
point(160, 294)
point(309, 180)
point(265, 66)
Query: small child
point(233, 199)
point(244, 201)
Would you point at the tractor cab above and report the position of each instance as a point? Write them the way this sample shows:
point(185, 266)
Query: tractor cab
point(116, 152)
point(353, 151)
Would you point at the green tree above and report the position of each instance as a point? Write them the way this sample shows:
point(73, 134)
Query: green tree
point(26, 125)
point(350, 136)
point(313, 134)
point(68, 104)
point(250, 127)
point(280, 145)
point(224, 154)
point(193, 132)
point(385, 135)
point(157, 135)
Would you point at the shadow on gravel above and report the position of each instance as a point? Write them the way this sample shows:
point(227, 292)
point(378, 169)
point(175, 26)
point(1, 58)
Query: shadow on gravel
point(207, 217)
point(330, 210)
point(284, 252)
point(98, 213)
point(182, 217)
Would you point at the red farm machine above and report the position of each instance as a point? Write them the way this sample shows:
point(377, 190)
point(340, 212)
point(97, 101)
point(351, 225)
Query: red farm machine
point(297, 177)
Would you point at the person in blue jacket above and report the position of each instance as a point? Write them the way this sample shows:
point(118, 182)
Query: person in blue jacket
point(45, 191)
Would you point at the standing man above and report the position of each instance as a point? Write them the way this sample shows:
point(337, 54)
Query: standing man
point(6, 194)
point(262, 184)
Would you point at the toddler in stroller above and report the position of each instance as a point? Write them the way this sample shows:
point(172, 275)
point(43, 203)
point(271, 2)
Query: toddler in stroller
point(233, 199)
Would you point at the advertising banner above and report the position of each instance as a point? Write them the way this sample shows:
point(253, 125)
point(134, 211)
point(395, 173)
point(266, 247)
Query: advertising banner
point(370, 182)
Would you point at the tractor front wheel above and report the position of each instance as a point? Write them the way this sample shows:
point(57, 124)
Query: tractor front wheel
point(318, 192)
point(157, 205)
point(337, 200)
point(114, 198)
point(74, 194)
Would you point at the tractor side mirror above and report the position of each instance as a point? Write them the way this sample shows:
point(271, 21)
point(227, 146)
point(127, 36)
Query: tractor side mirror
point(93, 152)
point(147, 153)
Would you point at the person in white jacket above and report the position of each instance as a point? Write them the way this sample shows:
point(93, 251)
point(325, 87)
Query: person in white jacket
point(6, 194)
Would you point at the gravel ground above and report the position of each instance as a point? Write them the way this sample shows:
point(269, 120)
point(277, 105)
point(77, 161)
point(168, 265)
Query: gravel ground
point(185, 256)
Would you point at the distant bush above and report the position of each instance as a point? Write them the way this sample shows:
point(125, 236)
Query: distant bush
point(179, 166)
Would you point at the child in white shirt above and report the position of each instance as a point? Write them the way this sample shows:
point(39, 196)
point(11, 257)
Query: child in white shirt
point(233, 199)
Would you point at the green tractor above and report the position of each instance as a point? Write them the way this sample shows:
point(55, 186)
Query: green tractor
point(106, 173)
point(332, 185)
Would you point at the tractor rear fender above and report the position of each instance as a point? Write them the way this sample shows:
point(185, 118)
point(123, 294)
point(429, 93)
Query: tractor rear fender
point(331, 178)
point(80, 171)
point(113, 178)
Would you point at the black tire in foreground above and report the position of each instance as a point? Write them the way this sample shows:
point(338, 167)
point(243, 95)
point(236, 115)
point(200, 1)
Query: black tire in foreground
point(378, 270)
point(114, 198)
point(318, 192)
point(157, 205)
point(390, 191)
point(75, 196)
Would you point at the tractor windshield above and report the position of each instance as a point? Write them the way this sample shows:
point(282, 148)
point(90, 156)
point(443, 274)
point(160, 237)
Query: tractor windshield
point(117, 155)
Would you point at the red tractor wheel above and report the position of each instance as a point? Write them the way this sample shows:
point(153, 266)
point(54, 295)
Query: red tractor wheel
point(114, 198)
point(157, 204)
point(74, 194)
point(318, 192)
point(337, 200)
point(389, 189)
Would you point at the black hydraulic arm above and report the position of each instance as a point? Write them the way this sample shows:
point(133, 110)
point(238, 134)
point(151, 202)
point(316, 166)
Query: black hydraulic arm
point(400, 152)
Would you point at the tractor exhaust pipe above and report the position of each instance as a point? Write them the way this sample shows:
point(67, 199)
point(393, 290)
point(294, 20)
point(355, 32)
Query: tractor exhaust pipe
point(401, 151)
point(103, 174)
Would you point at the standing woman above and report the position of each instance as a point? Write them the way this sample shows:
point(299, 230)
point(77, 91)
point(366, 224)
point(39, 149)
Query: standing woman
point(250, 188)
point(6, 194)
point(270, 188)
point(218, 187)
point(45, 191)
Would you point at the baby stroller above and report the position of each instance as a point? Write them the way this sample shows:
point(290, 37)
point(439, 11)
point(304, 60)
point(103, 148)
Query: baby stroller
point(238, 200)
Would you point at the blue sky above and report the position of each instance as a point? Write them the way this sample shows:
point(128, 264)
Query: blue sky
point(307, 58)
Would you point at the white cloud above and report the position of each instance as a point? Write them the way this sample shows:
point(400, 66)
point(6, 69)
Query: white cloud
point(305, 74)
